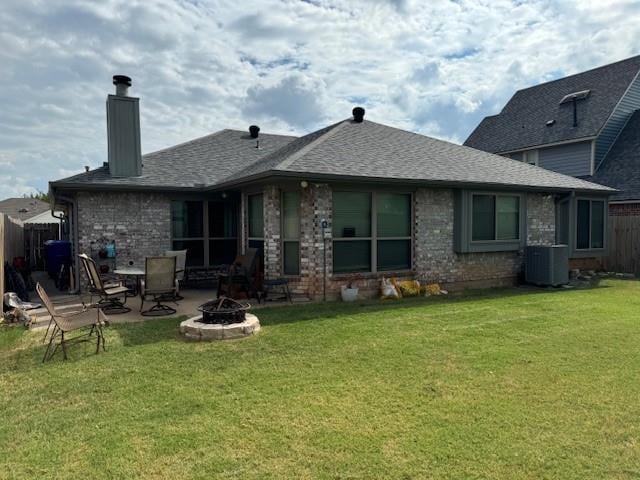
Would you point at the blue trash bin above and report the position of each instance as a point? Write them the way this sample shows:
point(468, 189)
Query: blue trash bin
point(57, 253)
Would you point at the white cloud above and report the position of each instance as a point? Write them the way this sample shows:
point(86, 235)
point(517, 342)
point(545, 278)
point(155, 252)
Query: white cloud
point(291, 66)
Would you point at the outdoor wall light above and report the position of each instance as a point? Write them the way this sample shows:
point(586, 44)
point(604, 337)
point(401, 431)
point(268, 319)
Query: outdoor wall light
point(304, 184)
point(224, 194)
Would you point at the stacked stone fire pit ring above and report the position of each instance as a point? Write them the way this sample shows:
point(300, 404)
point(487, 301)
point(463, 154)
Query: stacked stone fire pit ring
point(221, 319)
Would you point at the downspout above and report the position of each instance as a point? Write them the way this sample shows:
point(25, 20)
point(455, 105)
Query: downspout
point(75, 242)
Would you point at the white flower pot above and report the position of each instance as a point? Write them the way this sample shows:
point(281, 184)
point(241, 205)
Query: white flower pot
point(349, 294)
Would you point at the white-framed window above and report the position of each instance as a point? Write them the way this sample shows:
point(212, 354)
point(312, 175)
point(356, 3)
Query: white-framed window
point(530, 157)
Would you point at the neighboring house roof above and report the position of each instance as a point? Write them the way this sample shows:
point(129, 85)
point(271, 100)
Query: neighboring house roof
point(369, 150)
point(621, 167)
point(523, 121)
point(347, 150)
point(44, 217)
point(203, 161)
point(23, 208)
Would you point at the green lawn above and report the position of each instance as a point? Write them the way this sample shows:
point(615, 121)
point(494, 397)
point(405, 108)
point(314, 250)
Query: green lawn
point(507, 384)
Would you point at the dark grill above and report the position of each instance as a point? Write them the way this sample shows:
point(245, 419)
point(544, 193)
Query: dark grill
point(223, 311)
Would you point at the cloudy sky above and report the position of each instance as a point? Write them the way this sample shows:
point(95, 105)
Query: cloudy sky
point(435, 67)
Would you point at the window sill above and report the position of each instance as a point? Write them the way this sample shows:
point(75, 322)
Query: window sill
point(492, 246)
point(587, 253)
point(371, 275)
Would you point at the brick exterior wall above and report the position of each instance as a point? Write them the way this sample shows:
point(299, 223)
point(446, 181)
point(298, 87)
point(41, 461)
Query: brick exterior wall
point(434, 259)
point(541, 219)
point(139, 223)
point(272, 236)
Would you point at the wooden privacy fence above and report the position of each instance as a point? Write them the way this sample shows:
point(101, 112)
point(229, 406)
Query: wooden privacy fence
point(624, 244)
point(11, 244)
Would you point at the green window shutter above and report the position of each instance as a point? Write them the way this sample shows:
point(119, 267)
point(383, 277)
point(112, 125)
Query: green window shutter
point(483, 217)
point(256, 216)
point(508, 217)
point(351, 214)
point(393, 214)
point(597, 224)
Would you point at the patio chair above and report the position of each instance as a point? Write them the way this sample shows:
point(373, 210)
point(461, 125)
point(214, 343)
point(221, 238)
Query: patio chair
point(241, 276)
point(181, 262)
point(65, 323)
point(113, 296)
point(159, 283)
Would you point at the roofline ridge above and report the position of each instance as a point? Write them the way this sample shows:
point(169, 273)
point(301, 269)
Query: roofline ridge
point(579, 73)
point(310, 146)
point(214, 134)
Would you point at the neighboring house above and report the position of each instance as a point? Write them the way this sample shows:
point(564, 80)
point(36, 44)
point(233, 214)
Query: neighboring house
point(24, 209)
point(585, 125)
point(354, 197)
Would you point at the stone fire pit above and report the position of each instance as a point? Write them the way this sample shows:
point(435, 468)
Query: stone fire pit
point(194, 329)
point(221, 319)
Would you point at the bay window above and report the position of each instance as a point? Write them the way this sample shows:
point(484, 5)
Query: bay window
point(590, 224)
point(371, 231)
point(291, 233)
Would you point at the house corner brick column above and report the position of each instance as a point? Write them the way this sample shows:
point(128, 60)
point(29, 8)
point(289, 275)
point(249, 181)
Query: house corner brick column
point(434, 259)
point(541, 219)
point(138, 223)
point(272, 236)
point(315, 206)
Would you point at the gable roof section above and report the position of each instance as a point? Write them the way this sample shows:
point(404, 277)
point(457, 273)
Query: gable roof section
point(621, 167)
point(371, 151)
point(23, 208)
point(203, 161)
point(522, 122)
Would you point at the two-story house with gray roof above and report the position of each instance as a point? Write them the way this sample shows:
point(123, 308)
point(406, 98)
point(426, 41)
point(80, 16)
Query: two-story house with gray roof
point(353, 197)
point(585, 125)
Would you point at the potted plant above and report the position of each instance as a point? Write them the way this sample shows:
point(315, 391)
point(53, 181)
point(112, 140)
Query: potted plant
point(349, 292)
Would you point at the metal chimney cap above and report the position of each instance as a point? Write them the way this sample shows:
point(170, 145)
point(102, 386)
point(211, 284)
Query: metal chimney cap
point(358, 114)
point(122, 79)
point(254, 131)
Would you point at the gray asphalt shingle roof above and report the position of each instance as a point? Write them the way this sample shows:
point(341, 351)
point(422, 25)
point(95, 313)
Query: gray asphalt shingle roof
point(345, 150)
point(621, 167)
point(369, 150)
point(23, 208)
point(203, 161)
point(522, 122)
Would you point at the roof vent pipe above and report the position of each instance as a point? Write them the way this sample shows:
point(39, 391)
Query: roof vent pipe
point(254, 131)
point(358, 114)
point(122, 83)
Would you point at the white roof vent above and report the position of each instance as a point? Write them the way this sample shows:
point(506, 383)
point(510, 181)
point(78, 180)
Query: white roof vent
point(581, 95)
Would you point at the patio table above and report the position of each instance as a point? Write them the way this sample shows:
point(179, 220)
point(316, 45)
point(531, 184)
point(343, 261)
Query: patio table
point(137, 273)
